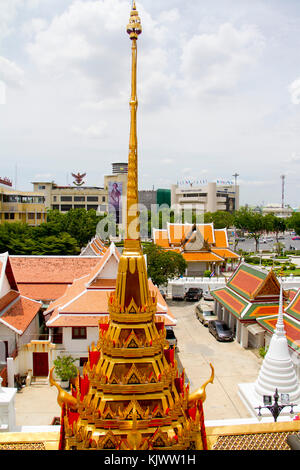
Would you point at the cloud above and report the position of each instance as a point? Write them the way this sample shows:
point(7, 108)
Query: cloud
point(85, 42)
point(215, 62)
point(294, 90)
point(10, 73)
point(94, 131)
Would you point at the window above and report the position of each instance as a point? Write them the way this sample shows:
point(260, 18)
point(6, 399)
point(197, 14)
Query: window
point(66, 198)
point(92, 207)
point(42, 187)
point(79, 198)
point(92, 198)
point(65, 207)
point(55, 206)
point(31, 216)
point(82, 361)
point(79, 206)
point(79, 332)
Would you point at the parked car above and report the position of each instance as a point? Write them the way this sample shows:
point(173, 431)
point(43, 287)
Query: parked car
point(296, 238)
point(178, 292)
point(207, 295)
point(205, 314)
point(170, 337)
point(194, 293)
point(163, 294)
point(220, 330)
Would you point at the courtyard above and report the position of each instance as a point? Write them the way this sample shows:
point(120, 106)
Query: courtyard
point(197, 348)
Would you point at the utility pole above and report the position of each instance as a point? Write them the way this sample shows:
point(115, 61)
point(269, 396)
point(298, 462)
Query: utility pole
point(235, 185)
point(282, 190)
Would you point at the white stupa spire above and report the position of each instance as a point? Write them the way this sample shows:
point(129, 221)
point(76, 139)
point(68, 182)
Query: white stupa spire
point(277, 370)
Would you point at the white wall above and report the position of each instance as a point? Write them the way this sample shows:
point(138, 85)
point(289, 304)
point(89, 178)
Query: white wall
point(79, 347)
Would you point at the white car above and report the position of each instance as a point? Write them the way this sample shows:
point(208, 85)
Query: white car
point(207, 295)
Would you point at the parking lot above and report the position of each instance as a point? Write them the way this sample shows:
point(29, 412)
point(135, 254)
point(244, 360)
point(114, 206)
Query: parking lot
point(197, 348)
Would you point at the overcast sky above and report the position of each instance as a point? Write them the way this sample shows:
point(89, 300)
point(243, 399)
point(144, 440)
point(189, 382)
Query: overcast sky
point(218, 88)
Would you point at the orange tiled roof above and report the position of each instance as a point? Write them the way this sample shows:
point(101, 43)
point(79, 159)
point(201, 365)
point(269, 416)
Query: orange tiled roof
point(177, 232)
point(201, 256)
point(90, 301)
point(221, 240)
point(103, 284)
point(7, 299)
point(48, 269)
point(20, 314)
point(161, 238)
point(207, 232)
point(225, 253)
point(80, 302)
point(42, 291)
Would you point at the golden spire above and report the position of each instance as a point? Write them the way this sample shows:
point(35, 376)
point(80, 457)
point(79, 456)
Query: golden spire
point(132, 289)
point(134, 29)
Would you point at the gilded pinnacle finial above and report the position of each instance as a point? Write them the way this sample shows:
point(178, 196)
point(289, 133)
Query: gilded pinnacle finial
point(134, 27)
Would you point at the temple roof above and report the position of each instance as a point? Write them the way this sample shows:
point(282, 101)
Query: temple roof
point(196, 243)
point(50, 269)
point(19, 313)
point(293, 309)
point(250, 293)
point(291, 326)
point(85, 301)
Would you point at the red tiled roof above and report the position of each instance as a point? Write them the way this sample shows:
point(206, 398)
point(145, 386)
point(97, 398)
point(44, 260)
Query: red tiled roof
point(42, 291)
point(7, 299)
point(20, 314)
point(51, 269)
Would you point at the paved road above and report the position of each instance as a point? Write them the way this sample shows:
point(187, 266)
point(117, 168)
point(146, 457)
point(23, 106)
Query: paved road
point(249, 244)
point(232, 364)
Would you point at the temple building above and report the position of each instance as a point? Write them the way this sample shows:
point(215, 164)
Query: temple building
point(203, 247)
point(249, 305)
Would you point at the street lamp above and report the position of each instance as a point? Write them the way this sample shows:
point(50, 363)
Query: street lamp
point(275, 408)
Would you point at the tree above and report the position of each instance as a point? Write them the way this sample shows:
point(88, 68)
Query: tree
point(220, 219)
point(275, 224)
point(163, 265)
point(293, 222)
point(252, 222)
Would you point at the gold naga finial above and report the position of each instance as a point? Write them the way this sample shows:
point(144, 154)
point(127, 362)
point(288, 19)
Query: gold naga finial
point(134, 437)
point(63, 396)
point(200, 393)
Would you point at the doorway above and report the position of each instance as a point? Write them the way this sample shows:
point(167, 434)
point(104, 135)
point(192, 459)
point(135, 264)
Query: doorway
point(40, 364)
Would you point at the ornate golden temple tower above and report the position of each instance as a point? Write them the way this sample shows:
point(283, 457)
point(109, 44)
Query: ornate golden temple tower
point(131, 395)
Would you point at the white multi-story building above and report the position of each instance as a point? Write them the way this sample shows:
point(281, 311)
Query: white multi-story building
point(210, 197)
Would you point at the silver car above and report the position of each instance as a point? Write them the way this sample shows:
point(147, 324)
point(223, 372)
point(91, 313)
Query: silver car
point(205, 314)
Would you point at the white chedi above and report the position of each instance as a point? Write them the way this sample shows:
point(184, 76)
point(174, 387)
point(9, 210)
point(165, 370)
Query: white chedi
point(277, 370)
